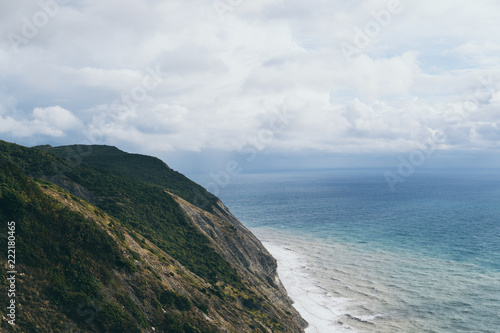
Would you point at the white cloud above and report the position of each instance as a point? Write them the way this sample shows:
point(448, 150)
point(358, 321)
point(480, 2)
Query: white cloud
point(56, 117)
point(219, 83)
point(384, 77)
point(49, 122)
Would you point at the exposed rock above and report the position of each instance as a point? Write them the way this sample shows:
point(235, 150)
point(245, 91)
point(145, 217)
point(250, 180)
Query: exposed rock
point(243, 250)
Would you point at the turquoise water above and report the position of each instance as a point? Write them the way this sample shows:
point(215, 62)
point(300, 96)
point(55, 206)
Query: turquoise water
point(425, 258)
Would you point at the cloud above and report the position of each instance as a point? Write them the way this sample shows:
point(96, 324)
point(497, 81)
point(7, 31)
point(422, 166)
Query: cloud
point(384, 77)
point(49, 122)
point(56, 117)
point(176, 76)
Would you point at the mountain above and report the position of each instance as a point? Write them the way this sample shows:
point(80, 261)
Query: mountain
point(107, 241)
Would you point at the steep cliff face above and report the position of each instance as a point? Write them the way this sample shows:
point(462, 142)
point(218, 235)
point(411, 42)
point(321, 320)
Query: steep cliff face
point(121, 243)
point(244, 251)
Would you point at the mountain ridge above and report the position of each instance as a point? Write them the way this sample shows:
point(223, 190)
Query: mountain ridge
point(149, 169)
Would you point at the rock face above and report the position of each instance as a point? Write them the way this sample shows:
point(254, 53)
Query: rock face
point(244, 251)
point(122, 243)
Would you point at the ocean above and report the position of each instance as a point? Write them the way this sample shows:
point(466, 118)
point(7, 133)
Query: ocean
point(358, 257)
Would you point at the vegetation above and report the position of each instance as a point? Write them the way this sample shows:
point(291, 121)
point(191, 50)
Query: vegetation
point(142, 207)
point(139, 167)
point(76, 216)
point(73, 253)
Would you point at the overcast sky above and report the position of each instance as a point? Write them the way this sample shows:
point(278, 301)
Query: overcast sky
point(249, 77)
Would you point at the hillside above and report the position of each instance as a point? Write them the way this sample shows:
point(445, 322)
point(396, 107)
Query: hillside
point(142, 168)
point(113, 242)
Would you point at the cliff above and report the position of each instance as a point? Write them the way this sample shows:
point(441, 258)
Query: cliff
point(113, 242)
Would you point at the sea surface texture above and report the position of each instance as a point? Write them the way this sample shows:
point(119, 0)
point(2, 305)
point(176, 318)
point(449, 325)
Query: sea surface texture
point(358, 257)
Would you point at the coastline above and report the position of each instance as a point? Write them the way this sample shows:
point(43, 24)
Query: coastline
point(316, 305)
point(380, 268)
point(339, 287)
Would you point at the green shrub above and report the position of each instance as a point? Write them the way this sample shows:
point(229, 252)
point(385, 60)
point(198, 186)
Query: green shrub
point(130, 305)
point(114, 320)
point(169, 298)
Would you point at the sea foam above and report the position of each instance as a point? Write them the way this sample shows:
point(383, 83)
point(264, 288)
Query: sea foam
point(356, 257)
point(340, 287)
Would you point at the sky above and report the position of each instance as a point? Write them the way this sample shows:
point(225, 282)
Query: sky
point(265, 83)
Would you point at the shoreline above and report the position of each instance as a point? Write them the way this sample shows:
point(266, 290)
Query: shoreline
point(322, 311)
point(339, 287)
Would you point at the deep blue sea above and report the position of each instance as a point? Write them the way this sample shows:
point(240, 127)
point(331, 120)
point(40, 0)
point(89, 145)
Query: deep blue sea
point(357, 257)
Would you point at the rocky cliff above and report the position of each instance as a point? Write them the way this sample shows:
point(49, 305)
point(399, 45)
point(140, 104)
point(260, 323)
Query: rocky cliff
point(115, 242)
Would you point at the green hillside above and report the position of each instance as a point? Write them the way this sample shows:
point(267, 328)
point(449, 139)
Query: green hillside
point(139, 167)
point(143, 207)
point(104, 247)
point(69, 257)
